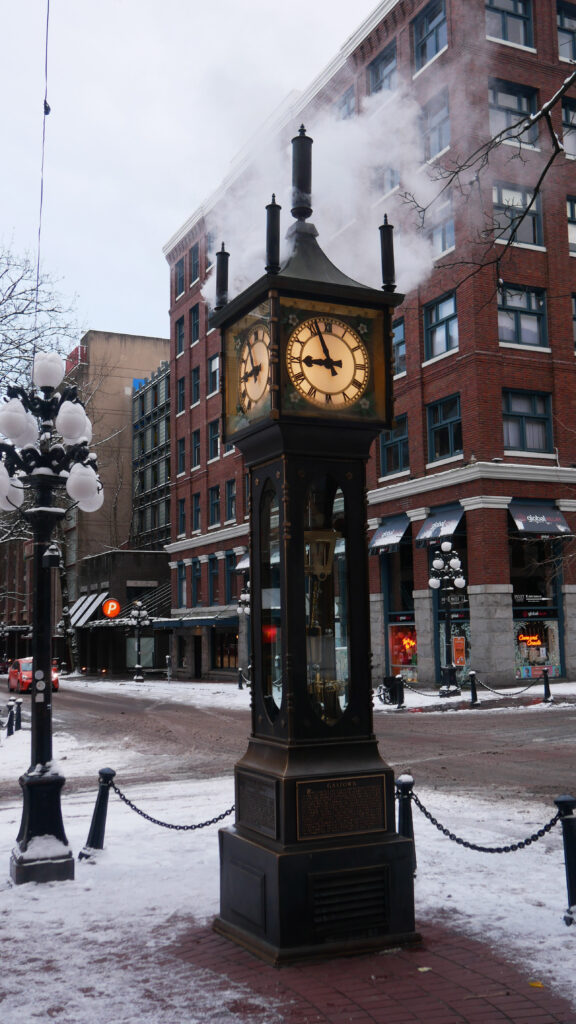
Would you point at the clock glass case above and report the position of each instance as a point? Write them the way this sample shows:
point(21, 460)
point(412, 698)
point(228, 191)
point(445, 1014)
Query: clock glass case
point(247, 369)
point(335, 360)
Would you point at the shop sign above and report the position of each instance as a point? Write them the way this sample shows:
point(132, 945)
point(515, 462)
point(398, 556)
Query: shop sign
point(459, 650)
point(528, 598)
point(534, 613)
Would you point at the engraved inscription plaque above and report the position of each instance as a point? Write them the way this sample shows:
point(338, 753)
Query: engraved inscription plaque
point(341, 806)
point(257, 804)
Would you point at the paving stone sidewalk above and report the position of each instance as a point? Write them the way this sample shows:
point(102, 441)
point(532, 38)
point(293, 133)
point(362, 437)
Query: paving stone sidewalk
point(446, 979)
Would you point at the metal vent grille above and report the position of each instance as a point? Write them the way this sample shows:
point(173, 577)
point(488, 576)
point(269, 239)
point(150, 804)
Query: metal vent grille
point(350, 902)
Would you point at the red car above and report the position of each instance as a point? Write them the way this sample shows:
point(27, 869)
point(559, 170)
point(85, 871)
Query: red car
point(20, 676)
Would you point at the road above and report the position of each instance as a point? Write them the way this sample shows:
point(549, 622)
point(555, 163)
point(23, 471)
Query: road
point(526, 753)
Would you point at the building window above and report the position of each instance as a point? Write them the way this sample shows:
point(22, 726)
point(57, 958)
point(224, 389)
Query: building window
point(181, 516)
point(527, 421)
point(194, 323)
point(441, 233)
point(430, 33)
point(195, 385)
point(179, 278)
point(209, 247)
point(394, 448)
point(517, 215)
point(213, 374)
point(181, 394)
point(194, 257)
point(346, 105)
point(510, 20)
point(444, 428)
point(214, 439)
point(566, 17)
point(231, 499)
point(509, 107)
point(181, 585)
point(569, 126)
point(440, 327)
point(196, 517)
point(196, 572)
point(522, 315)
point(214, 505)
point(180, 336)
point(398, 347)
point(436, 125)
point(181, 456)
point(213, 579)
point(231, 577)
point(382, 71)
point(195, 448)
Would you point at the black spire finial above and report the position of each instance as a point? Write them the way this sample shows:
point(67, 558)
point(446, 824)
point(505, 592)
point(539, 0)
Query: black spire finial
point(387, 253)
point(222, 258)
point(301, 175)
point(273, 236)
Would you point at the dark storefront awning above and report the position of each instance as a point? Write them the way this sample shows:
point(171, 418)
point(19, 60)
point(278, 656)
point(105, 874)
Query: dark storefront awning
point(534, 518)
point(389, 534)
point(85, 606)
point(243, 563)
point(440, 525)
point(192, 623)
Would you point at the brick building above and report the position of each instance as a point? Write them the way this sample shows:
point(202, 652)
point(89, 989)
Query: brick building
point(483, 452)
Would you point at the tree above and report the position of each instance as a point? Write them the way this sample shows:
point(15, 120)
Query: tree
point(33, 317)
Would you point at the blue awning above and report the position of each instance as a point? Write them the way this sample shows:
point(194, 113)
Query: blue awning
point(389, 534)
point(440, 525)
point(535, 518)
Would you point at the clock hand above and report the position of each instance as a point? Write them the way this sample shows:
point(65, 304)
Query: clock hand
point(329, 363)
point(254, 372)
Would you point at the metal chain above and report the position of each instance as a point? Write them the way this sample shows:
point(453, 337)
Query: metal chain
point(501, 693)
point(512, 848)
point(421, 693)
point(166, 824)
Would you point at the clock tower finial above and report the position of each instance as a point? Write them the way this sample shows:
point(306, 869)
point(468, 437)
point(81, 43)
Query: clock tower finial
point(302, 175)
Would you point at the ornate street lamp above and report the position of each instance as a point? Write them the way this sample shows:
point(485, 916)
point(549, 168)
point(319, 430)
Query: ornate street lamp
point(446, 576)
point(46, 455)
point(139, 619)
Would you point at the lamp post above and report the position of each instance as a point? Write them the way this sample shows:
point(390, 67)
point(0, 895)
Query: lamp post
point(139, 619)
point(446, 576)
point(46, 454)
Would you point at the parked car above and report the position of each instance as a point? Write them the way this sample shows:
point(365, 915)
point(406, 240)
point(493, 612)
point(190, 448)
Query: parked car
point(20, 676)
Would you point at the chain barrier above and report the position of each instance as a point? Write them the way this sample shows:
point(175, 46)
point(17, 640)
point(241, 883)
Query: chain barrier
point(511, 848)
point(516, 693)
point(167, 824)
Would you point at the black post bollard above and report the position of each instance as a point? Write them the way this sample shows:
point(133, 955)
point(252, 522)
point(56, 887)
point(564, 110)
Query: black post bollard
point(399, 692)
point(18, 715)
point(473, 691)
point(547, 694)
point(404, 785)
point(240, 685)
point(95, 839)
point(566, 804)
point(10, 720)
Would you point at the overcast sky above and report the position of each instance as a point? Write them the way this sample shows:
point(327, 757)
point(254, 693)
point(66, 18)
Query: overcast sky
point(150, 100)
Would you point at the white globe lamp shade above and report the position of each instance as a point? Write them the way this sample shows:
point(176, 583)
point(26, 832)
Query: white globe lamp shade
point(94, 503)
point(48, 370)
point(434, 583)
point(11, 492)
point(12, 419)
point(455, 563)
point(82, 483)
point(438, 563)
point(459, 582)
point(71, 421)
point(29, 435)
point(446, 545)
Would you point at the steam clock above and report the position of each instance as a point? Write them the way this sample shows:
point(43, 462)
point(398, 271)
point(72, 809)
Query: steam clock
point(313, 864)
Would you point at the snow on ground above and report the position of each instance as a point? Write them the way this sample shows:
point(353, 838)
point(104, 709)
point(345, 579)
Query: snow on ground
point(88, 951)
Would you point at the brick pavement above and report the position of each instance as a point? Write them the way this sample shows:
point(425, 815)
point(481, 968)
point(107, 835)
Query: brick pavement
point(446, 979)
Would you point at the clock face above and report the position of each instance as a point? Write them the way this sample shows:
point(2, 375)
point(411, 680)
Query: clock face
point(327, 362)
point(254, 368)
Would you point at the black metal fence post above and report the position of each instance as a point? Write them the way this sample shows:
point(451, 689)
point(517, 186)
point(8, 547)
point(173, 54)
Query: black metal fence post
point(473, 690)
point(10, 720)
point(95, 839)
point(547, 694)
point(399, 692)
point(404, 786)
point(565, 805)
point(18, 715)
point(240, 683)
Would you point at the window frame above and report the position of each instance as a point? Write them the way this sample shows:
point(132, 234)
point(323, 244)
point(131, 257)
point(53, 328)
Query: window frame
point(212, 375)
point(535, 309)
point(513, 116)
point(196, 512)
point(213, 580)
point(387, 81)
point(196, 582)
point(179, 278)
point(231, 500)
point(194, 323)
point(181, 585)
point(395, 441)
point(509, 18)
point(195, 386)
point(431, 327)
point(563, 9)
point(530, 217)
point(194, 262)
point(521, 418)
point(214, 505)
point(196, 453)
point(180, 395)
point(424, 29)
point(452, 424)
point(213, 440)
point(179, 335)
point(181, 455)
point(434, 119)
point(181, 517)
point(398, 347)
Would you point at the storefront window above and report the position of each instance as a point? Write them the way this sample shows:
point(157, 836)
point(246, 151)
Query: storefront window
point(535, 574)
point(225, 650)
point(271, 638)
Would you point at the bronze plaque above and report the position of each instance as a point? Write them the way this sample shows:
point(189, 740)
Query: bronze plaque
point(257, 804)
point(341, 806)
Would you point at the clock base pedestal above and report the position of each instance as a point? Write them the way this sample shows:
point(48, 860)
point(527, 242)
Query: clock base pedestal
point(316, 900)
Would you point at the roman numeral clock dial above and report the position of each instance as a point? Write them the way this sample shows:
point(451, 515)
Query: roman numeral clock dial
point(327, 362)
point(254, 368)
